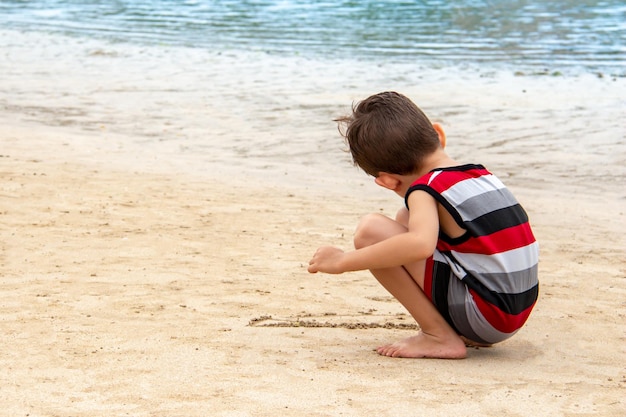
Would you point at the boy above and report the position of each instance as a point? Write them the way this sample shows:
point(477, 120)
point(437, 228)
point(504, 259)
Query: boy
point(461, 257)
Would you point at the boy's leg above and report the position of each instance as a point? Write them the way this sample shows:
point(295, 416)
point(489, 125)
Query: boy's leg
point(436, 338)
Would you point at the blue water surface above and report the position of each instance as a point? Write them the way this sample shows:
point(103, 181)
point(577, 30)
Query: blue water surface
point(527, 35)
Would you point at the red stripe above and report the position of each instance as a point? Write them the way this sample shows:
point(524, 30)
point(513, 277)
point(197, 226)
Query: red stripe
point(501, 321)
point(501, 241)
point(442, 182)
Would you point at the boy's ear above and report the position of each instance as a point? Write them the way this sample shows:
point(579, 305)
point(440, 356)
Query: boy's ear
point(388, 181)
point(442, 135)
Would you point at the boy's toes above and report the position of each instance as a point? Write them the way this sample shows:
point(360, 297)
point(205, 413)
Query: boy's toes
point(387, 350)
point(381, 350)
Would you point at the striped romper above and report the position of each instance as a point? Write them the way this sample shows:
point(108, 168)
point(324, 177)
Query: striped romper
point(484, 283)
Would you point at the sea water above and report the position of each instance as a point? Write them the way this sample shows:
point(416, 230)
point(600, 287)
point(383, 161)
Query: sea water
point(527, 35)
point(249, 89)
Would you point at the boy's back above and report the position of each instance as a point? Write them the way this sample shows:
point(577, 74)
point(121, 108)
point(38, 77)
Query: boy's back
point(496, 259)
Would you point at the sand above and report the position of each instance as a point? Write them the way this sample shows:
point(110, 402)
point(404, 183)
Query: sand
point(129, 293)
point(130, 289)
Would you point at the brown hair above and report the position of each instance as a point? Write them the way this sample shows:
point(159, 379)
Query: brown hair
point(387, 132)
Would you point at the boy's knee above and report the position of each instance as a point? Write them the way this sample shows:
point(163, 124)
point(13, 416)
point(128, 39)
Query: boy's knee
point(402, 216)
point(367, 231)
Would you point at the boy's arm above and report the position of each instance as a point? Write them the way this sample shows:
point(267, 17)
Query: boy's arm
point(417, 243)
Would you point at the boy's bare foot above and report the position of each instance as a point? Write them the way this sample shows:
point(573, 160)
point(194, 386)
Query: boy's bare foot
point(425, 346)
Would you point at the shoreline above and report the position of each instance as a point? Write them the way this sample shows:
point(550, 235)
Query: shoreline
point(185, 111)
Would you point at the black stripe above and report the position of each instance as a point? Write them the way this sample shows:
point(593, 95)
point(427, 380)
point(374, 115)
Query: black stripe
point(508, 303)
point(466, 167)
point(497, 220)
point(440, 284)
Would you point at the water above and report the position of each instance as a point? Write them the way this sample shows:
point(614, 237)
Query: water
point(557, 36)
point(249, 89)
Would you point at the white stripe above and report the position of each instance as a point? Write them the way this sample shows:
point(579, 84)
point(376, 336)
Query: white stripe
point(471, 187)
point(433, 176)
point(514, 260)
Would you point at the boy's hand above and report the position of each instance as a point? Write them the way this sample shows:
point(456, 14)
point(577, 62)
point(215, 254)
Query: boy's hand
point(326, 259)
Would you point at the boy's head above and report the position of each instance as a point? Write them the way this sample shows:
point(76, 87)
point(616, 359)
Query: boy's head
point(387, 132)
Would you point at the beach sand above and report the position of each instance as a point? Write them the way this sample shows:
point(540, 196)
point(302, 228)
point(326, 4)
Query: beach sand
point(129, 293)
point(131, 290)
